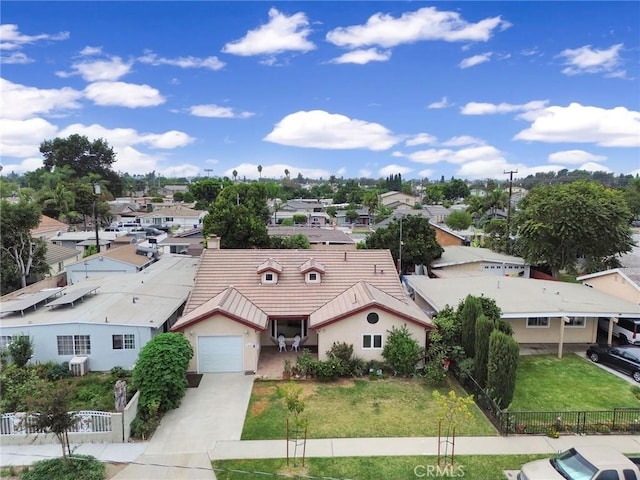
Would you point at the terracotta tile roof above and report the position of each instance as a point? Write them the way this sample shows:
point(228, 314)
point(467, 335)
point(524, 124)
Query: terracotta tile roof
point(127, 254)
point(359, 297)
point(231, 303)
point(270, 264)
point(47, 227)
point(173, 211)
point(291, 296)
point(312, 264)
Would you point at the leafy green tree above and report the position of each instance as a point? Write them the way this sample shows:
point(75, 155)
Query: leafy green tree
point(291, 242)
point(21, 256)
point(21, 350)
point(484, 327)
point(496, 199)
point(455, 189)
point(206, 191)
point(371, 202)
point(299, 219)
point(160, 371)
point(419, 245)
point(433, 194)
point(402, 351)
point(178, 197)
point(352, 215)
point(476, 207)
point(558, 223)
point(631, 194)
point(459, 220)
point(239, 216)
point(490, 308)
point(501, 367)
point(469, 311)
point(497, 236)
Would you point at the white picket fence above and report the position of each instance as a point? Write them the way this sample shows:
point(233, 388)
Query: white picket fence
point(85, 421)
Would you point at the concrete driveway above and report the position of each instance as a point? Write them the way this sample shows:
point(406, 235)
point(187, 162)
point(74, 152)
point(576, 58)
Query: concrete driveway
point(213, 411)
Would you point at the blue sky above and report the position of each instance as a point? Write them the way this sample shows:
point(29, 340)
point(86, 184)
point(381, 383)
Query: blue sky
point(351, 89)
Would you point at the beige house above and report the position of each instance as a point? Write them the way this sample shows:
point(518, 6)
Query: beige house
point(620, 282)
point(243, 300)
point(540, 311)
point(457, 260)
point(398, 200)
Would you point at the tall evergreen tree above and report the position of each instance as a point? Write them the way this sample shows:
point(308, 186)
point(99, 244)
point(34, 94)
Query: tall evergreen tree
point(501, 367)
point(469, 313)
point(484, 327)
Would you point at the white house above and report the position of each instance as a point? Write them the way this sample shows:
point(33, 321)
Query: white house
point(176, 215)
point(106, 319)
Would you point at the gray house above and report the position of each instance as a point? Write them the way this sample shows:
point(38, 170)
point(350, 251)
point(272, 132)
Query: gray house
point(101, 321)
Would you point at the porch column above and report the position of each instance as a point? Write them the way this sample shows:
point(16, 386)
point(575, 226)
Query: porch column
point(612, 320)
point(563, 321)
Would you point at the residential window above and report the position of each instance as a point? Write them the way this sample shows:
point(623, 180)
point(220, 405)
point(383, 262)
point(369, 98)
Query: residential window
point(371, 341)
point(538, 322)
point(373, 318)
point(313, 277)
point(123, 342)
point(5, 340)
point(168, 219)
point(74, 344)
point(269, 277)
point(576, 322)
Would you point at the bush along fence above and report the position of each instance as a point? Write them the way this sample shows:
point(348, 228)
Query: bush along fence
point(553, 423)
point(89, 426)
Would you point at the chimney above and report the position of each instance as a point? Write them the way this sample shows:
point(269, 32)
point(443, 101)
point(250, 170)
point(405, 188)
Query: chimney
point(213, 242)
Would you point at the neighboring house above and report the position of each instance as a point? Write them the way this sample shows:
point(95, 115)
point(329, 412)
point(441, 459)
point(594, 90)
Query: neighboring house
point(74, 239)
point(59, 257)
point(319, 238)
point(620, 282)
point(302, 206)
point(457, 259)
point(244, 299)
point(182, 245)
point(540, 311)
point(126, 259)
point(436, 214)
point(316, 219)
point(363, 218)
point(48, 227)
point(398, 199)
point(447, 237)
point(123, 212)
point(170, 190)
point(106, 319)
point(178, 215)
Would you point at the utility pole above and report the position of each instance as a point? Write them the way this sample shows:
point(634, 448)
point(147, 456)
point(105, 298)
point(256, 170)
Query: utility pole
point(208, 170)
point(510, 172)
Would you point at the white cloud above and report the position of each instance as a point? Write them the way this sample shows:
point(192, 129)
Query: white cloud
point(364, 173)
point(424, 24)
point(12, 39)
point(594, 167)
point(22, 102)
point(212, 63)
point(167, 140)
point(589, 60)
point(320, 129)
point(99, 70)
point(616, 127)
point(250, 170)
point(89, 51)
point(426, 173)
point(123, 94)
point(475, 60)
point(184, 170)
point(574, 157)
point(124, 137)
point(463, 140)
point(22, 138)
point(341, 172)
point(495, 168)
point(363, 56)
point(420, 139)
point(26, 165)
point(281, 34)
point(478, 108)
point(393, 169)
point(216, 111)
point(443, 103)
point(16, 58)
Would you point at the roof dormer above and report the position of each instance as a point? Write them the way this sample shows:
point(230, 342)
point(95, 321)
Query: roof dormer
point(312, 271)
point(269, 271)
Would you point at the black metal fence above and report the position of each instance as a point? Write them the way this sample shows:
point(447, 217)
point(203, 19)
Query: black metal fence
point(553, 423)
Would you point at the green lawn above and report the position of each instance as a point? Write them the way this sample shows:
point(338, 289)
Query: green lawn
point(354, 408)
point(477, 467)
point(545, 382)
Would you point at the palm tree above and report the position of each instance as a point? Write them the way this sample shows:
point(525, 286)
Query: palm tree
point(260, 172)
point(235, 175)
point(496, 199)
point(286, 172)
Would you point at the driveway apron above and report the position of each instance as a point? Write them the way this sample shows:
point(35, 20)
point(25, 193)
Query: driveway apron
point(214, 411)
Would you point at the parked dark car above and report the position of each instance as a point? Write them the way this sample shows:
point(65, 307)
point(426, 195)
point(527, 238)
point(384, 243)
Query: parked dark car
point(625, 358)
point(152, 231)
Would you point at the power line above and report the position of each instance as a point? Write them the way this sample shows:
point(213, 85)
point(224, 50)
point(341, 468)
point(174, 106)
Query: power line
point(510, 172)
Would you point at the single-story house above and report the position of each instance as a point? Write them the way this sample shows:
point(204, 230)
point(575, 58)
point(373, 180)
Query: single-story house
point(130, 258)
point(243, 300)
point(48, 227)
point(363, 218)
point(105, 319)
point(177, 215)
point(74, 239)
point(540, 311)
point(466, 259)
point(302, 206)
point(316, 219)
point(182, 245)
point(319, 238)
point(620, 282)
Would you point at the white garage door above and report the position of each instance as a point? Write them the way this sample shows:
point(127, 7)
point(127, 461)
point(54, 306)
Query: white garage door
point(220, 354)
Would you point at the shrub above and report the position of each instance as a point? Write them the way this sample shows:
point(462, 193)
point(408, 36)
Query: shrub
point(146, 421)
point(305, 363)
point(160, 372)
point(17, 384)
point(501, 369)
point(484, 327)
point(435, 374)
point(119, 373)
point(77, 467)
point(402, 351)
point(469, 311)
point(350, 366)
point(21, 350)
point(57, 371)
point(635, 390)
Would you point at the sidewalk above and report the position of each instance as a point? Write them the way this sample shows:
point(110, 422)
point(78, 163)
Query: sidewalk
point(333, 447)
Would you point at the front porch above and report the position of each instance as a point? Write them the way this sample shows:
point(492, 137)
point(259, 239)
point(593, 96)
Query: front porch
point(271, 361)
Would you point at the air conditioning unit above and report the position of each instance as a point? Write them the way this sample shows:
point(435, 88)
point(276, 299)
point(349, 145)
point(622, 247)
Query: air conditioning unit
point(79, 366)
